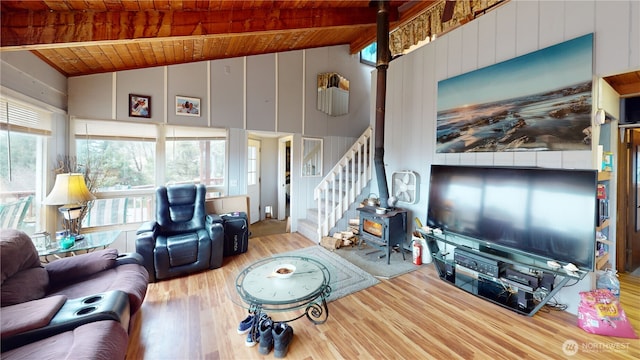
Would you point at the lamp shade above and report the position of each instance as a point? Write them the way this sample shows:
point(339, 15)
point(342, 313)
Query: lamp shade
point(69, 189)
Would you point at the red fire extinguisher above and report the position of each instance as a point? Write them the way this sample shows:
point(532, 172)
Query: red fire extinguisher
point(417, 252)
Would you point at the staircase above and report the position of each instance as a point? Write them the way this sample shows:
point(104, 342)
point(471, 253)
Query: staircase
point(340, 189)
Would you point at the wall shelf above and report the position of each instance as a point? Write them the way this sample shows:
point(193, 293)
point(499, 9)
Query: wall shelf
point(601, 261)
point(604, 225)
point(604, 175)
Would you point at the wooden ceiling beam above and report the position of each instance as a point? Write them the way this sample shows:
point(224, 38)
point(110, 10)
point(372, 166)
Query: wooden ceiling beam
point(55, 27)
point(181, 5)
point(156, 40)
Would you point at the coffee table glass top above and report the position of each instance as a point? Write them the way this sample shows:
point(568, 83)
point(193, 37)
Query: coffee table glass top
point(257, 285)
point(90, 241)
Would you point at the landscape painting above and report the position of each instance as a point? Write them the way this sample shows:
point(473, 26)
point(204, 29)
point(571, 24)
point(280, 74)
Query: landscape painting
point(535, 102)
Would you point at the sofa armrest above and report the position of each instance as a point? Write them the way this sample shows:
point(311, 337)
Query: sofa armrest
point(72, 268)
point(216, 234)
point(147, 226)
point(129, 258)
point(30, 315)
point(145, 247)
point(111, 305)
point(213, 219)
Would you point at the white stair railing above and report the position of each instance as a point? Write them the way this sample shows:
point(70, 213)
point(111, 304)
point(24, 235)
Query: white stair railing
point(344, 183)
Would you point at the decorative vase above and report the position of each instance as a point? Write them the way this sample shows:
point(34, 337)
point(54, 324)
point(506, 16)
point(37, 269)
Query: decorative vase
point(67, 242)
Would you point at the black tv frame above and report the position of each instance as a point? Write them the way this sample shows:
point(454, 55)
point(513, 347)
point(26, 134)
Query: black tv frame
point(588, 179)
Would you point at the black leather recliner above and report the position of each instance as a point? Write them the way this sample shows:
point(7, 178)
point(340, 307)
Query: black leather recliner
point(183, 239)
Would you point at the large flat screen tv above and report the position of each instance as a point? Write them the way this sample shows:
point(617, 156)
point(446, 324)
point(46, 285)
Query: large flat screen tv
point(547, 213)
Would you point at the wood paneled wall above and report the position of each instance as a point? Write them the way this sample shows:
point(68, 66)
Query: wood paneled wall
point(517, 28)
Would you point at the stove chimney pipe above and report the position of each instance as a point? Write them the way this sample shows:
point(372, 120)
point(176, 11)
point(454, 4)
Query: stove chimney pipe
point(382, 63)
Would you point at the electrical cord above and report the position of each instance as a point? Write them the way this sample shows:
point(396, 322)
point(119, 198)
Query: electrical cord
point(553, 304)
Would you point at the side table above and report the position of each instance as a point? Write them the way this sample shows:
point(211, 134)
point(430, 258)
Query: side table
point(91, 241)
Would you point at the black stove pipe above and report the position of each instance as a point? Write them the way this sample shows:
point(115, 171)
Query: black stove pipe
point(382, 63)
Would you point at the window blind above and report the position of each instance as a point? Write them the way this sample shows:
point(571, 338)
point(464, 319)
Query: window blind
point(113, 130)
point(17, 117)
point(173, 133)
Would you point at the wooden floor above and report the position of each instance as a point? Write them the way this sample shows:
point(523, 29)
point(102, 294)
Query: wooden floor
point(414, 316)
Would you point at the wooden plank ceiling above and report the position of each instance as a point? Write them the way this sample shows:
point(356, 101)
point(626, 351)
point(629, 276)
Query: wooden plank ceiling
point(625, 84)
point(80, 37)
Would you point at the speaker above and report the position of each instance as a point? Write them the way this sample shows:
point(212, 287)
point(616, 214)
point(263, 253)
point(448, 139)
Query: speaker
point(525, 300)
point(547, 281)
point(450, 273)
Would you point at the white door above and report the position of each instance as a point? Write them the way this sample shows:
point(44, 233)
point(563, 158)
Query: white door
point(253, 180)
point(284, 178)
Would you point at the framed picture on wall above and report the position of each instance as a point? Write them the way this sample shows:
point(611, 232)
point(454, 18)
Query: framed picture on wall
point(139, 106)
point(187, 106)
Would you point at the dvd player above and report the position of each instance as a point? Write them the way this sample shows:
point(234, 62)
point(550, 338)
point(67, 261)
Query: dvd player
point(476, 262)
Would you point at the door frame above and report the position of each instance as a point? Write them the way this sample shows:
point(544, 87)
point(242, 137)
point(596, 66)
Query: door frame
point(254, 194)
point(625, 225)
point(282, 174)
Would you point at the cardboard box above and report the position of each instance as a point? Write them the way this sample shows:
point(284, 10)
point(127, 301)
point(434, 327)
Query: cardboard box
point(228, 204)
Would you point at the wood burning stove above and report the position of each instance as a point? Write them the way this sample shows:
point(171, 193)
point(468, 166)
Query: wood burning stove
point(383, 231)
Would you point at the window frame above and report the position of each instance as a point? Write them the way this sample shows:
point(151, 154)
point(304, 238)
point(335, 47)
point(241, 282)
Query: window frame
point(162, 134)
point(29, 117)
point(366, 61)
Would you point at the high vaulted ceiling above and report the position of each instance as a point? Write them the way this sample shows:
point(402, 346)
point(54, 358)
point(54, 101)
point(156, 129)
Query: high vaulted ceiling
point(97, 36)
point(81, 37)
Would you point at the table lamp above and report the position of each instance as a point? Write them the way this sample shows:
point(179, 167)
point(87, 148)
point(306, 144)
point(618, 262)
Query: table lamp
point(71, 192)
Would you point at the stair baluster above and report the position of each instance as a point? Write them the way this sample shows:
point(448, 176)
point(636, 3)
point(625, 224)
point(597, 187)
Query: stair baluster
point(345, 182)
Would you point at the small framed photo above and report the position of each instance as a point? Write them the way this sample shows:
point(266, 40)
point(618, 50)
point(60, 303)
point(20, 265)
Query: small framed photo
point(139, 106)
point(187, 106)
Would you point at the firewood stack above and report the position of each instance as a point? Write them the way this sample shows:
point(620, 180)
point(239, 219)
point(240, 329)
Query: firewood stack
point(340, 239)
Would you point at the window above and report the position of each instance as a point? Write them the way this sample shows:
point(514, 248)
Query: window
point(118, 164)
point(252, 164)
point(121, 168)
point(123, 159)
point(23, 133)
point(369, 54)
point(195, 155)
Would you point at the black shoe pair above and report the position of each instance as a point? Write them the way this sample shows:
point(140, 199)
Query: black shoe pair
point(274, 335)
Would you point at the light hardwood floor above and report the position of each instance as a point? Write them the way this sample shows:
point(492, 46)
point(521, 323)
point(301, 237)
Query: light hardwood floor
point(414, 316)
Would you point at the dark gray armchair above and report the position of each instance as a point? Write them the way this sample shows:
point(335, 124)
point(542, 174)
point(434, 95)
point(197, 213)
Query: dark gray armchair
point(182, 239)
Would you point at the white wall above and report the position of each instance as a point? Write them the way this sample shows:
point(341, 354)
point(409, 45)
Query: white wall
point(26, 78)
point(517, 28)
point(271, 92)
point(26, 74)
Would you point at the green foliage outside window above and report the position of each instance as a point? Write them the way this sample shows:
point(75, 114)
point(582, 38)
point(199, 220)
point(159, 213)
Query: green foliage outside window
point(20, 177)
point(120, 164)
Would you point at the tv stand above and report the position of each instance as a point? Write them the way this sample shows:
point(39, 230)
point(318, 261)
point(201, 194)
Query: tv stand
point(492, 276)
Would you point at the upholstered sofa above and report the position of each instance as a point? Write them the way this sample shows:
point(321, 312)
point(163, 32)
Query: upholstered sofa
point(74, 307)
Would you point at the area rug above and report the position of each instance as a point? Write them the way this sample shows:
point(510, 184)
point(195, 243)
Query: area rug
point(268, 227)
point(346, 278)
point(374, 261)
